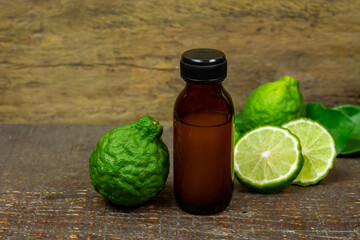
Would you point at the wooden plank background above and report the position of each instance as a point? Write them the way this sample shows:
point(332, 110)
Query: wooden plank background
point(104, 62)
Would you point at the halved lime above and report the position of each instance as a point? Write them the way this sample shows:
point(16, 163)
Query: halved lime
point(267, 159)
point(318, 150)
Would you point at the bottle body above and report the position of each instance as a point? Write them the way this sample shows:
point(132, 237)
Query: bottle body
point(203, 148)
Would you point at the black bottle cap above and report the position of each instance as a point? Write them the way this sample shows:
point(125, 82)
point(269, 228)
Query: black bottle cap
point(203, 65)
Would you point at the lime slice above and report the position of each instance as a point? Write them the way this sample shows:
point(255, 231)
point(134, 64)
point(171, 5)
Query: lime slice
point(267, 159)
point(318, 150)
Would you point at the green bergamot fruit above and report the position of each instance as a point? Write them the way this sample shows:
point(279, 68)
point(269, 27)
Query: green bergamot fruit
point(274, 103)
point(130, 164)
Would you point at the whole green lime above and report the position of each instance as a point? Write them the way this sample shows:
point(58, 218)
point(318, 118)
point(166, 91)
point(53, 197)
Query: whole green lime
point(274, 103)
point(130, 164)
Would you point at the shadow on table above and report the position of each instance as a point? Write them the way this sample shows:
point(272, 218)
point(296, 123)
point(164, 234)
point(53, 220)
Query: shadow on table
point(351, 155)
point(164, 199)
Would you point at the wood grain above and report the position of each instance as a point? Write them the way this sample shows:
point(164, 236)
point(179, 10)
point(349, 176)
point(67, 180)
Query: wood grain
point(46, 194)
point(102, 62)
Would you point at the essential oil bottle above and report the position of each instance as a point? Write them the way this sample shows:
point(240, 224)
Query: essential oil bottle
point(203, 134)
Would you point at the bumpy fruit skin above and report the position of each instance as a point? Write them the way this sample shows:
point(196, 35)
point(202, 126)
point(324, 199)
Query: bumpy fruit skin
point(130, 164)
point(273, 104)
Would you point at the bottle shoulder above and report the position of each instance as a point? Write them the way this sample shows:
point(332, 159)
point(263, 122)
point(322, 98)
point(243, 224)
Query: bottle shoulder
point(203, 100)
point(228, 98)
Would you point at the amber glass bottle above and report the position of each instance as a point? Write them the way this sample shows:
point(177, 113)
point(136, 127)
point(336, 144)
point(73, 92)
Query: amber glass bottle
point(203, 134)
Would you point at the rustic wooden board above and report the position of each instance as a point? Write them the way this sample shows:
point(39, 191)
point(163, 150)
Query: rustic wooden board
point(101, 62)
point(46, 193)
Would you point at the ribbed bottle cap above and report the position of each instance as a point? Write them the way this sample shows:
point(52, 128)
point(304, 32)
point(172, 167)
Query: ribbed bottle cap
point(203, 65)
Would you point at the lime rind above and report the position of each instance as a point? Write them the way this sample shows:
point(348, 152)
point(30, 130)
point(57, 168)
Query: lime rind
point(319, 150)
point(274, 170)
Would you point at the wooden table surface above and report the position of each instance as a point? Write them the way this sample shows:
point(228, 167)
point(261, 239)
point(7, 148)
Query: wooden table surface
point(46, 193)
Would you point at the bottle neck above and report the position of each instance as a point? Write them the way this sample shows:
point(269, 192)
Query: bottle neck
point(204, 86)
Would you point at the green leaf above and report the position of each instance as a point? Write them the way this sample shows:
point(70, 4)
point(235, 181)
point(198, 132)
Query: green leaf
point(239, 127)
point(338, 123)
point(353, 112)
